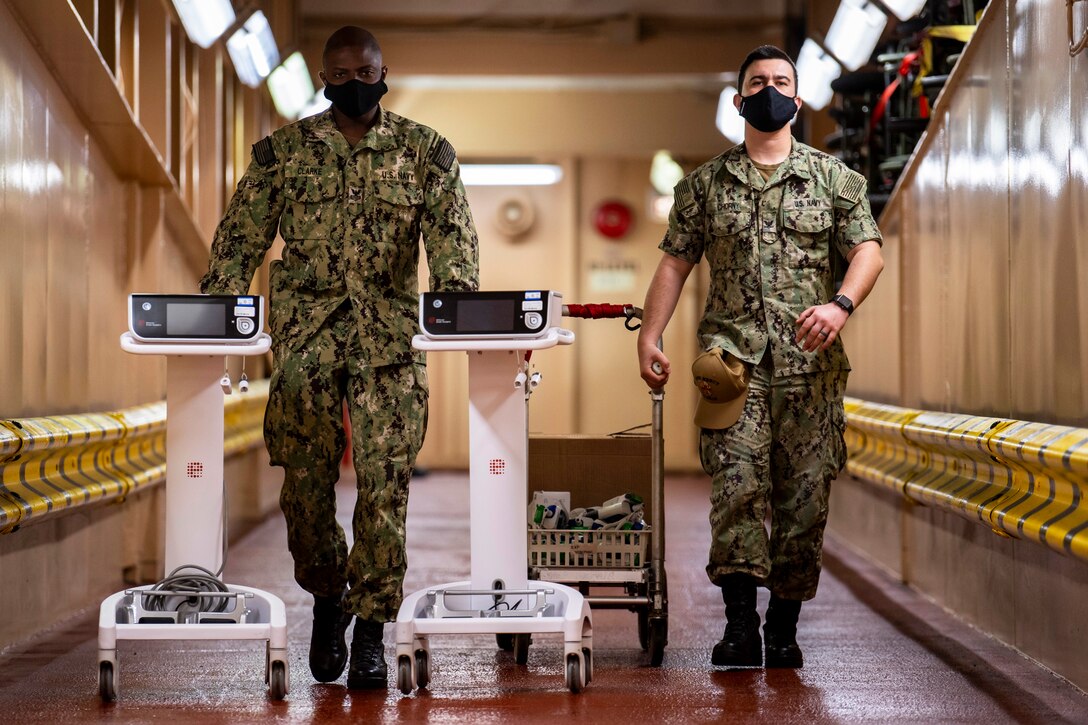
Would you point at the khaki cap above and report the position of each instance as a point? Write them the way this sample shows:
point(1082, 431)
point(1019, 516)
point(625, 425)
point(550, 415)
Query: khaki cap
point(722, 381)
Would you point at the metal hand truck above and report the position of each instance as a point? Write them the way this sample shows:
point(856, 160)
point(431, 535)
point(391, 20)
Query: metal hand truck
point(612, 559)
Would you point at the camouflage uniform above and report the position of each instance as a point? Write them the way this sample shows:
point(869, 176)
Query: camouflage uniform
point(769, 246)
point(343, 309)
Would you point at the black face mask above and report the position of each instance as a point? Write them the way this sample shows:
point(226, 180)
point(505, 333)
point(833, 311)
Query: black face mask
point(355, 98)
point(768, 110)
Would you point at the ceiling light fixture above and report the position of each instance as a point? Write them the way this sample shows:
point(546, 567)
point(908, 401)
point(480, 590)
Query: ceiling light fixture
point(855, 31)
point(205, 20)
point(815, 71)
point(904, 9)
point(253, 50)
point(291, 86)
point(510, 174)
point(665, 173)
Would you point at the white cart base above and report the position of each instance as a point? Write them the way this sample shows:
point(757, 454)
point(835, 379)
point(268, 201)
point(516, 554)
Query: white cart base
point(253, 614)
point(194, 523)
point(499, 598)
point(557, 609)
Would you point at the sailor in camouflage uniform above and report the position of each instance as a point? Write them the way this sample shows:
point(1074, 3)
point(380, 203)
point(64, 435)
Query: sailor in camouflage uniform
point(768, 215)
point(350, 190)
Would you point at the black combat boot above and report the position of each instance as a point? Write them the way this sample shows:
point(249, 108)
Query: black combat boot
point(368, 669)
point(740, 645)
point(780, 633)
point(328, 650)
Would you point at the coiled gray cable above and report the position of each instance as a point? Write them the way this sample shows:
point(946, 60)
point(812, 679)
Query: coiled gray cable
point(175, 585)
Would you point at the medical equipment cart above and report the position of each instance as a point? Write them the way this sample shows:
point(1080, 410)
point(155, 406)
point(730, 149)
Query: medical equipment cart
point(195, 333)
point(497, 330)
point(612, 558)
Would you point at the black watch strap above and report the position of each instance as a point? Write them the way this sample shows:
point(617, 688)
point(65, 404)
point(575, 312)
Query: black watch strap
point(844, 302)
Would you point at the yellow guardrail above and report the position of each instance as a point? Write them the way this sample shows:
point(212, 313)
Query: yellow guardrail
point(51, 465)
point(1024, 480)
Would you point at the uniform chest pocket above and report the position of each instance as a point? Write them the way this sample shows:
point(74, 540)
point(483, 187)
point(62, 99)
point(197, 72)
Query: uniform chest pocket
point(311, 188)
point(807, 233)
point(730, 244)
point(730, 222)
point(398, 194)
point(808, 221)
point(397, 202)
point(312, 208)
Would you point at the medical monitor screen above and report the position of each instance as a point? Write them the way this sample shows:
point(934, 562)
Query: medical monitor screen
point(184, 320)
point(485, 315)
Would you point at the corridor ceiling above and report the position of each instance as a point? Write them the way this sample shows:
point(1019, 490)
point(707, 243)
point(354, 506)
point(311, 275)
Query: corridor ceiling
point(553, 16)
point(556, 37)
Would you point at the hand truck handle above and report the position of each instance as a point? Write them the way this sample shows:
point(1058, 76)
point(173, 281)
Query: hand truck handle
point(605, 310)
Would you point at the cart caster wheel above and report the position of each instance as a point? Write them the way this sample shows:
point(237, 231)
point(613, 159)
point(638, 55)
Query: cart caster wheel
point(521, 648)
point(505, 642)
point(106, 689)
point(587, 657)
point(423, 668)
point(574, 674)
point(658, 638)
point(644, 629)
point(277, 680)
point(404, 674)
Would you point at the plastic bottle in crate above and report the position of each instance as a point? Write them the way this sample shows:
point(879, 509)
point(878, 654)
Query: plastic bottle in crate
point(551, 516)
point(616, 508)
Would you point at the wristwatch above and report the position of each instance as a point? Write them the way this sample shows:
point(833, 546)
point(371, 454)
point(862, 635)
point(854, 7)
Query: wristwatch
point(844, 302)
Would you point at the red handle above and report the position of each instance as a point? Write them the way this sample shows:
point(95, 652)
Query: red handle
point(597, 311)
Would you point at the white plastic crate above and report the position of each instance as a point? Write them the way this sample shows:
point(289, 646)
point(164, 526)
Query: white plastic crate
point(582, 549)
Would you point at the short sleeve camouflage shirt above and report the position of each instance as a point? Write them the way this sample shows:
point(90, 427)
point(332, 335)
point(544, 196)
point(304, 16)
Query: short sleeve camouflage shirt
point(769, 246)
point(351, 221)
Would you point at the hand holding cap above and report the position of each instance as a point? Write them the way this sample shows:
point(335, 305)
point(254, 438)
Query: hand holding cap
point(722, 381)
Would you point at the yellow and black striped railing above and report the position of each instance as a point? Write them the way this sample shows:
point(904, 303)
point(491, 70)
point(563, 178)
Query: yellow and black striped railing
point(54, 464)
point(1021, 479)
point(1024, 480)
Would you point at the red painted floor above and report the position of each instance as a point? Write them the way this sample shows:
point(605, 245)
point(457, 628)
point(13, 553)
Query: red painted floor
point(874, 652)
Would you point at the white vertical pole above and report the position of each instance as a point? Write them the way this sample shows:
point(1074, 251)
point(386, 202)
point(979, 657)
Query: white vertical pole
point(194, 462)
point(498, 466)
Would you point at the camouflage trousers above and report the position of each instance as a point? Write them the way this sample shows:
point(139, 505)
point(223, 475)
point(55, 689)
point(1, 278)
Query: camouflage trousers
point(304, 432)
point(777, 462)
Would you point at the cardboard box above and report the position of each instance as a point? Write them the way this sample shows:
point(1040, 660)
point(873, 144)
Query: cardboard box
point(593, 468)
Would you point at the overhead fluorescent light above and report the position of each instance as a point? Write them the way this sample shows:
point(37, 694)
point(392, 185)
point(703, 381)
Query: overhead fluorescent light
point(904, 9)
point(253, 50)
point(291, 86)
point(729, 121)
point(855, 31)
point(815, 71)
point(510, 174)
point(205, 20)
